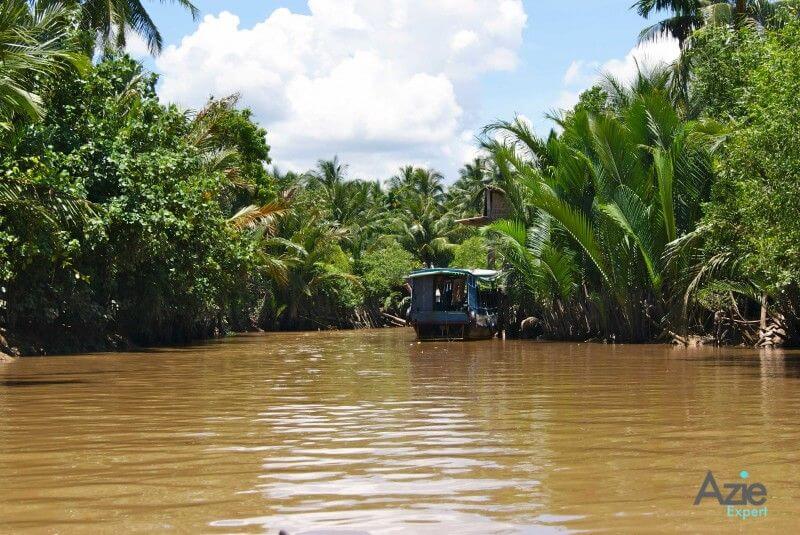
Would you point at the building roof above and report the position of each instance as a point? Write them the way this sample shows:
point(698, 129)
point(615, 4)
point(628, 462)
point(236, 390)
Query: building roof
point(486, 274)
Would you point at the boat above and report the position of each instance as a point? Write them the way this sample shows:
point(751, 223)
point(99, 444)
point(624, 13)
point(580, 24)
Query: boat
point(454, 304)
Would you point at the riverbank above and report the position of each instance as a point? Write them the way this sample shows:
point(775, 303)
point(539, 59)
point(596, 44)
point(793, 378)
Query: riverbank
point(15, 345)
point(70, 342)
point(12, 348)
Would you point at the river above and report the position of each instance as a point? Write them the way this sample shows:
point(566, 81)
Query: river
point(370, 431)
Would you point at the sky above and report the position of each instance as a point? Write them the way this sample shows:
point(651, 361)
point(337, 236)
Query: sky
point(386, 83)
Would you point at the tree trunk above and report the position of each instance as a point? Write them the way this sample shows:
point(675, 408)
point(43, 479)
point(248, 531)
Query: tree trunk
point(741, 12)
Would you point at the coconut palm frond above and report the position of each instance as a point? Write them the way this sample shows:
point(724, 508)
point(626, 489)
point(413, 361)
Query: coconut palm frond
point(36, 43)
point(258, 216)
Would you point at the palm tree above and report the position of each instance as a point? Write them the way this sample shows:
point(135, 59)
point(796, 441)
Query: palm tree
point(287, 182)
point(542, 275)
point(264, 216)
point(424, 230)
point(329, 172)
point(465, 195)
point(111, 20)
point(420, 220)
point(54, 207)
point(686, 16)
point(34, 47)
point(621, 187)
point(312, 258)
point(357, 207)
point(329, 181)
point(361, 210)
point(419, 181)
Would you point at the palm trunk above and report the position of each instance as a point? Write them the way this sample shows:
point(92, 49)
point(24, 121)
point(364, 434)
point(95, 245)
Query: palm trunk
point(741, 11)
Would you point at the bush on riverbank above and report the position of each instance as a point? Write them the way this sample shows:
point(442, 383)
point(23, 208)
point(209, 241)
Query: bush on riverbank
point(753, 221)
point(118, 218)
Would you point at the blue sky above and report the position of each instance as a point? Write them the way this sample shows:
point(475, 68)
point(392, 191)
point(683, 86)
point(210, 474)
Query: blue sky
point(516, 58)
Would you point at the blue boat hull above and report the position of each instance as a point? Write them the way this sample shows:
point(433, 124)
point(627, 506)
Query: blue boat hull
point(441, 325)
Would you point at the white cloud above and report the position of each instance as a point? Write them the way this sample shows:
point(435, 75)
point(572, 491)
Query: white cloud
point(646, 56)
point(582, 74)
point(573, 72)
point(377, 83)
point(135, 45)
point(463, 39)
point(567, 99)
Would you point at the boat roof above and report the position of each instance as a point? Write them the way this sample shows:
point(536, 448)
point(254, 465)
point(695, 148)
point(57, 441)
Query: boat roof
point(485, 274)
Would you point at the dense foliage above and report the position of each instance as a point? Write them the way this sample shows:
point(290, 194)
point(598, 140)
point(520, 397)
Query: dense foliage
point(752, 225)
point(144, 248)
point(595, 209)
point(658, 209)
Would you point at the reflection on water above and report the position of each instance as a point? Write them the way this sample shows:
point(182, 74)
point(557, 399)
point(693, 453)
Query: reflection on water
point(371, 431)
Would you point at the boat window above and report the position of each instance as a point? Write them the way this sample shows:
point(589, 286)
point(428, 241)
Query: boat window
point(449, 293)
point(488, 296)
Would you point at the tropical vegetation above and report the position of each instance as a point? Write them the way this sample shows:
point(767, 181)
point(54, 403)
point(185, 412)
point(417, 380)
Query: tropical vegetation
point(661, 209)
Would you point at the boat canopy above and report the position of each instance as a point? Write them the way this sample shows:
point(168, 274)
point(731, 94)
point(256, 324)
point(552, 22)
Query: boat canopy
point(481, 274)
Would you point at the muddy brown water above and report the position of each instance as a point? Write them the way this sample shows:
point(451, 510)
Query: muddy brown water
point(370, 431)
